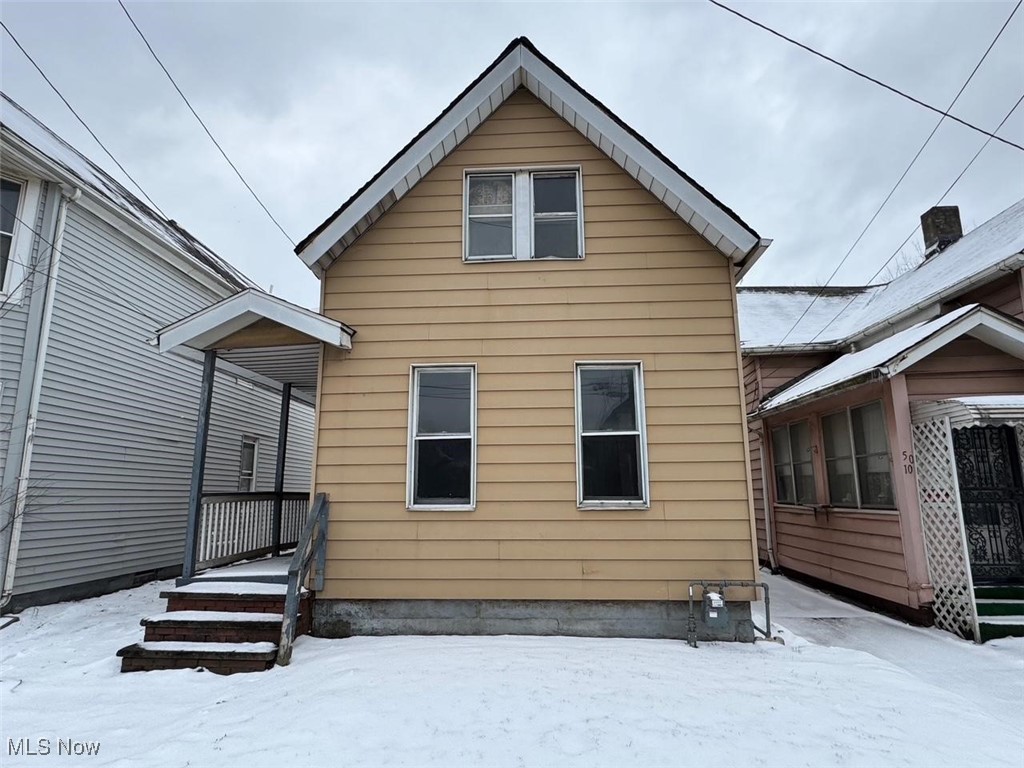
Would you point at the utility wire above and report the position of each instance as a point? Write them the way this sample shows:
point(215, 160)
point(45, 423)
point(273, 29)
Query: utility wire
point(913, 232)
point(79, 117)
point(860, 74)
point(906, 171)
point(205, 128)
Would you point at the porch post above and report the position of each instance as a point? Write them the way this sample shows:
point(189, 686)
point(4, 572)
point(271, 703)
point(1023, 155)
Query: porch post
point(282, 452)
point(195, 491)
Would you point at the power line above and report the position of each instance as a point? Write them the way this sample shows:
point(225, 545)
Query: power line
point(205, 128)
point(860, 74)
point(906, 240)
point(79, 117)
point(906, 171)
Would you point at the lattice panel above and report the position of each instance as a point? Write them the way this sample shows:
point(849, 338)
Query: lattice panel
point(943, 525)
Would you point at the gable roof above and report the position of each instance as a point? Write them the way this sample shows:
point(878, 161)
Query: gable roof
point(767, 313)
point(28, 131)
point(895, 354)
point(521, 65)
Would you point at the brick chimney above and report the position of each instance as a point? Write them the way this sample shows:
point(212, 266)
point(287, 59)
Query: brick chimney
point(941, 228)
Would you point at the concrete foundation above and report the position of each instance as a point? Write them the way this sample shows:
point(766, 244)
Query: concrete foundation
point(581, 618)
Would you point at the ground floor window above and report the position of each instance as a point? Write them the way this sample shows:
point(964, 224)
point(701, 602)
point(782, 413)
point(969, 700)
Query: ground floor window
point(442, 437)
point(857, 463)
point(794, 466)
point(611, 445)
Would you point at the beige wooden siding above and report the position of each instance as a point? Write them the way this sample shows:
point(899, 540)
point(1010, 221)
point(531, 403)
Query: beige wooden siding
point(1004, 295)
point(965, 367)
point(649, 289)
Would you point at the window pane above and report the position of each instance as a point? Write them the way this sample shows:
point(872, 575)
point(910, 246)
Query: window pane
point(784, 489)
point(611, 468)
point(557, 238)
point(836, 435)
point(875, 481)
point(490, 195)
point(869, 429)
point(490, 237)
point(248, 457)
point(608, 400)
point(554, 194)
point(805, 483)
point(841, 490)
point(800, 439)
point(444, 402)
point(9, 192)
point(5, 251)
point(780, 446)
point(443, 471)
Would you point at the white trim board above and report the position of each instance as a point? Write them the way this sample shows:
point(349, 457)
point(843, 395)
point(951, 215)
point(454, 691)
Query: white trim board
point(522, 65)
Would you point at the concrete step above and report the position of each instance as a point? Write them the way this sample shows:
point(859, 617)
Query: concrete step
point(1000, 608)
point(213, 627)
point(221, 658)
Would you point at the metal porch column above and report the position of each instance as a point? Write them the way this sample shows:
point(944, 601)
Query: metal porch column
point(282, 452)
point(195, 491)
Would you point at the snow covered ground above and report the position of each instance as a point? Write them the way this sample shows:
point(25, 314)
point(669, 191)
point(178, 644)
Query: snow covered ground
point(511, 701)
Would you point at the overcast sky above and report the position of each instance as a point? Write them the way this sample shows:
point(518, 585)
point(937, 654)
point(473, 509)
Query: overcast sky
point(310, 100)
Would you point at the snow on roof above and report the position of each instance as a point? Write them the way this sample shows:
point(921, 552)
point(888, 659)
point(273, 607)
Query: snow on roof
point(521, 65)
point(92, 178)
point(766, 314)
point(864, 364)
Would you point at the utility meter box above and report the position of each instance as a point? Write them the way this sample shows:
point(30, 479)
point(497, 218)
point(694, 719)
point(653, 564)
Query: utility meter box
point(716, 614)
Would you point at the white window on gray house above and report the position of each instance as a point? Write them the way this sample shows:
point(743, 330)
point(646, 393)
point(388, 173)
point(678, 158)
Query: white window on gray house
point(857, 460)
point(794, 466)
point(611, 439)
point(523, 214)
point(442, 438)
point(10, 198)
point(248, 463)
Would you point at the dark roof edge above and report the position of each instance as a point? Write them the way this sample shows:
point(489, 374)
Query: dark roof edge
point(526, 43)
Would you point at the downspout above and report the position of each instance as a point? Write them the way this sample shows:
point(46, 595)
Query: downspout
point(67, 196)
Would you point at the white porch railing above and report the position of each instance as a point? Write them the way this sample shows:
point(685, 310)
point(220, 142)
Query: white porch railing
point(238, 526)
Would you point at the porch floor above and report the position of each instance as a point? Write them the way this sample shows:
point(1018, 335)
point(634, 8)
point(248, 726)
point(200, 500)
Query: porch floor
point(272, 570)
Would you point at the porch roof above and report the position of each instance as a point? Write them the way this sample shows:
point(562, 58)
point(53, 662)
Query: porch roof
point(261, 333)
point(897, 353)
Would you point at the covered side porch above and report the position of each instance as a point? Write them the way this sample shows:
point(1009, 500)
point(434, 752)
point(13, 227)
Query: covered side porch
point(241, 598)
point(897, 473)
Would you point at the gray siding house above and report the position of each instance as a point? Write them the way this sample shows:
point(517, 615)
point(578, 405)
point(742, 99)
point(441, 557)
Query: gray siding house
point(96, 427)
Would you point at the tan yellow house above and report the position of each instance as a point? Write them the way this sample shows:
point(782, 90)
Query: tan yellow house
point(530, 412)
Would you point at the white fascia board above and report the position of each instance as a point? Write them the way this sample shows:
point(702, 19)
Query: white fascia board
point(737, 236)
point(479, 96)
point(218, 321)
point(984, 325)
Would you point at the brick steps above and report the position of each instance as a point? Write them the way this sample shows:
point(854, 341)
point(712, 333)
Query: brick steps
point(225, 627)
point(222, 658)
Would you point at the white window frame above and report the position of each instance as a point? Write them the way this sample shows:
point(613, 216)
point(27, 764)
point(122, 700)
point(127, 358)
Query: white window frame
point(255, 442)
point(637, 367)
point(522, 211)
point(854, 456)
point(12, 288)
point(410, 459)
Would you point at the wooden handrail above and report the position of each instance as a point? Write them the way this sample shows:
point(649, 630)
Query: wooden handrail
point(253, 496)
point(312, 546)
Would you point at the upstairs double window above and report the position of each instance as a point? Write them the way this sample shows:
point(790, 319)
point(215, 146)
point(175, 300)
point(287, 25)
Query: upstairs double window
point(523, 214)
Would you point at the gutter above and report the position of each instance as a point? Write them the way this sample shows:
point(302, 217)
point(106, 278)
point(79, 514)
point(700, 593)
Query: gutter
point(68, 195)
point(755, 253)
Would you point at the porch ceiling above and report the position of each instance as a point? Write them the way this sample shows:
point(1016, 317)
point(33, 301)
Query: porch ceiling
point(260, 333)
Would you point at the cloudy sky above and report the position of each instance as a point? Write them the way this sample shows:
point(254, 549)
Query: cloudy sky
point(309, 100)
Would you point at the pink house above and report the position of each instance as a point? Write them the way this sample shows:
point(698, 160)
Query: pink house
point(887, 430)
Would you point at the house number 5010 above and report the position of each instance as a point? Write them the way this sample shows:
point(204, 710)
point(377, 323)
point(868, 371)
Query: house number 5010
point(908, 463)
